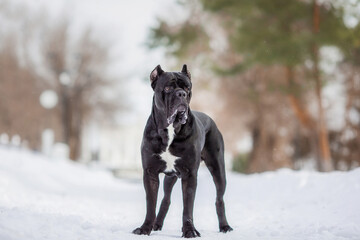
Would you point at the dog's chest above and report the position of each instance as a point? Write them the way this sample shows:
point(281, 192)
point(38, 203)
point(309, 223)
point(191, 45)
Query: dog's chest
point(166, 155)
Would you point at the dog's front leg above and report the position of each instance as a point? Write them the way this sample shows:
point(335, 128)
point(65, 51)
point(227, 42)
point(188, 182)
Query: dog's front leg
point(189, 184)
point(151, 184)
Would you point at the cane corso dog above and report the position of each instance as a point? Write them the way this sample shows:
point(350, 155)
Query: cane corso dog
point(175, 141)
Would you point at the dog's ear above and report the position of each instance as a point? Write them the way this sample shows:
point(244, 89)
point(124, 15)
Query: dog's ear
point(186, 71)
point(154, 75)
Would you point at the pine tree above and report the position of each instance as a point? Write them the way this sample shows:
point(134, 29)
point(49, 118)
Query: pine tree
point(277, 33)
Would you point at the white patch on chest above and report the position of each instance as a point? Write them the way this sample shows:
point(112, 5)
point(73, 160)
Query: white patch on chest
point(167, 156)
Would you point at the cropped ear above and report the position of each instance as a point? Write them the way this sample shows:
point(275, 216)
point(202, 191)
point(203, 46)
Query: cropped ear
point(185, 70)
point(154, 75)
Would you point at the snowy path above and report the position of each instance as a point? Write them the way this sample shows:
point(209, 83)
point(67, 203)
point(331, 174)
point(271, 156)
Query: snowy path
point(52, 199)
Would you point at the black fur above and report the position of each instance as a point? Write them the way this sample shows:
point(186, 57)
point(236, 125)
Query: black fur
point(196, 138)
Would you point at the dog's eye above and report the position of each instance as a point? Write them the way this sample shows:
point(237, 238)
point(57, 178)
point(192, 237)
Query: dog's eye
point(187, 89)
point(167, 89)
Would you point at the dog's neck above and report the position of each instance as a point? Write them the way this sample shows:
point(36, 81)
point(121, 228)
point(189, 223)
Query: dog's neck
point(159, 118)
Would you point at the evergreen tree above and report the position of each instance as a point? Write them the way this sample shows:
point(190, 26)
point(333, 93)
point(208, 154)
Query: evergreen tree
point(276, 33)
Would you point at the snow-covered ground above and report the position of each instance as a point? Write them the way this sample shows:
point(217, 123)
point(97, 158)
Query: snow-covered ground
point(50, 199)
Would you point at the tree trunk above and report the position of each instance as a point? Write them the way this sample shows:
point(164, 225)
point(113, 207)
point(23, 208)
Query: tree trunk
point(261, 154)
point(65, 114)
point(325, 156)
point(71, 122)
point(74, 145)
point(300, 111)
point(269, 147)
point(303, 115)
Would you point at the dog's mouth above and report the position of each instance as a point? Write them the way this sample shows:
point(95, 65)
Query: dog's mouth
point(178, 114)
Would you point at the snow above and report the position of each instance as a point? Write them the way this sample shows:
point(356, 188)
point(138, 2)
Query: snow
point(42, 198)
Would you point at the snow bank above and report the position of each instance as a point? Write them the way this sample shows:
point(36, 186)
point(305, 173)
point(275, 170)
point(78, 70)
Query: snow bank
point(44, 198)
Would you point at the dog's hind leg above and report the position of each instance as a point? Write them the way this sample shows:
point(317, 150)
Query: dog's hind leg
point(169, 182)
point(213, 154)
point(218, 174)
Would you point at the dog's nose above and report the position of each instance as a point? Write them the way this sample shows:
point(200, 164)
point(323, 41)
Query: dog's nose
point(181, 94)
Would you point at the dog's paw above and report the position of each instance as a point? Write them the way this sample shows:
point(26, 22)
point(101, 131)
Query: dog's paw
point(142, 231)
point(225, 229)
point(191, 233)
point(157, 227)
point(189, 230)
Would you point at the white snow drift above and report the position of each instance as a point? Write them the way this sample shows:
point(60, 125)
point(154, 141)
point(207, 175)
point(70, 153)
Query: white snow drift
point(50, 199)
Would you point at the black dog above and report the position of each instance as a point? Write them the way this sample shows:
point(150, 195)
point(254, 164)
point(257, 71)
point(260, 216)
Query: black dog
point(175, 140)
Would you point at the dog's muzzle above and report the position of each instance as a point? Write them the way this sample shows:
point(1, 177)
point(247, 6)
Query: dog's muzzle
point(179, 114)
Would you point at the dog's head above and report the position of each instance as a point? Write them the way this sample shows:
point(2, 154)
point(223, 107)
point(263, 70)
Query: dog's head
point(172, 93)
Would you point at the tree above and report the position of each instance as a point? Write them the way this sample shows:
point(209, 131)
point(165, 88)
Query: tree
point(289, 36)
point(78, 72)
point(19, 92)
point(38, 55)
point(279, 33)
point(20, 88)
point(346, 141)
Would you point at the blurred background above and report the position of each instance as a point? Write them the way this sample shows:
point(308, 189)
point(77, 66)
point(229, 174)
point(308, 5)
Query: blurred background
point(281, 78)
